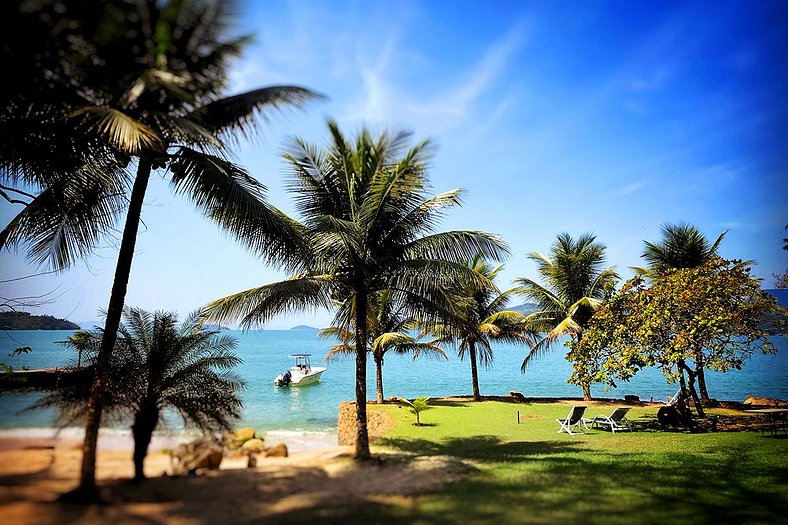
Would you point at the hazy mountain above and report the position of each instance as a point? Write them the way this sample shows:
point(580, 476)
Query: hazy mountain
point(305, 327)
point(26, 321)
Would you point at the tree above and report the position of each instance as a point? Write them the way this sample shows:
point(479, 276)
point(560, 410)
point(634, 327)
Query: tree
point(682, 246)
point(82, 342)
point(416, 407)
point(158, 365)
point(715, 313)
point(155, 97)
point(388, 331)
point(479, 316)
point(575, 284)
point(781, 281)
point(367, 223)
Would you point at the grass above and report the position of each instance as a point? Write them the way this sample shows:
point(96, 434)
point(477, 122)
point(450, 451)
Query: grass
point(528, 473)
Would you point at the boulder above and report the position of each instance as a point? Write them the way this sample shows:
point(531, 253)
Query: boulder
point(243, 434)
point(199, 454)
point(253, 446)
point(765, 401)
point(277, 451)
point(629, 398)
point(516, 395)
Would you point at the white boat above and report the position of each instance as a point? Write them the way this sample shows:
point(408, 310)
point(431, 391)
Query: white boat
point(303, 373)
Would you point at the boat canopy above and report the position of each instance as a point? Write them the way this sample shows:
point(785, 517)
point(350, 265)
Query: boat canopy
point(300, 355)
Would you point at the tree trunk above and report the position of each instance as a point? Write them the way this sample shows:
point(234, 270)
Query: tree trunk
point(144, 424)
point(701, 375)
point(586, 392)
point(692, 391)
point(379, 376)
point(362, 438)
point(474, 373)
point(87, 490)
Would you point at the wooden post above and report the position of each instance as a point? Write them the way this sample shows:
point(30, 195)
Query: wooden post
point(518, 417)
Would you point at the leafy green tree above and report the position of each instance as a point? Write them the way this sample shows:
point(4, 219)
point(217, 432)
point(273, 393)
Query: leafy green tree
point(158, 365)
point(479, 316)
point(682, 246)
point(574, 285)
point(388, 331)
point(152, 93)
point(714, 315)
point(367, 226)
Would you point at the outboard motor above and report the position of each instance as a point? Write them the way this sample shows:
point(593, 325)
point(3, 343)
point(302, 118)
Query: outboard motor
point(286, 377)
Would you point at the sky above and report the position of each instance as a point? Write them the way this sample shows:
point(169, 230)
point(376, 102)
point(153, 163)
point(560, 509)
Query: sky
point(606, 117)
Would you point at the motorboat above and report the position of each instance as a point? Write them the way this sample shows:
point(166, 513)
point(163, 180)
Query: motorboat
point(303, 373)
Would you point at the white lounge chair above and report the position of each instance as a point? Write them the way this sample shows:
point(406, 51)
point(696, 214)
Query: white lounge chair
point(617, 420)
point(573, 420)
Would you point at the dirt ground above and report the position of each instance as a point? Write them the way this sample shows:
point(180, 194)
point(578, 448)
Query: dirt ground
point(34, 473)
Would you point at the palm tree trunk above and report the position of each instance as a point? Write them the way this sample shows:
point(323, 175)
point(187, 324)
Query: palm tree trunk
point(362, 438)
point(87, 490)
point(379, 376)
point(474, 373)
point(692, 391)
point(142, 430)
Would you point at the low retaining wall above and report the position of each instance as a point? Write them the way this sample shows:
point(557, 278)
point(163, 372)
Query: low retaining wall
point(378, 423)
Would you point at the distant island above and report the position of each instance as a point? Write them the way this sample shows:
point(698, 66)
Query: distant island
point(305, 327)
point(25, 321)
point(214, 327)
point(525, 309)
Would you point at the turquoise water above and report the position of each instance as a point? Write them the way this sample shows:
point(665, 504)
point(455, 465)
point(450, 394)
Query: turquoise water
point(314, 408)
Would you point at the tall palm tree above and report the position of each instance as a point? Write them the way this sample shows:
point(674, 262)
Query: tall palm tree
point(682, 246)
point(157, 100)
point(388, 331)
point(574, 284)
point(158, 365)
point(479, 316)
point(367, 223)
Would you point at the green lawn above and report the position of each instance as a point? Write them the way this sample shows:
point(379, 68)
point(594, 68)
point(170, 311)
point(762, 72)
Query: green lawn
point(528, 473)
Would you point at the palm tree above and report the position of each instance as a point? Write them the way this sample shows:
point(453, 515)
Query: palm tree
point(682, 246)
point(575, 284)
point(479, 316)
point(367, 223)
point(82, 342)
point(157, 100)
point(158, 365)
point(388, 330)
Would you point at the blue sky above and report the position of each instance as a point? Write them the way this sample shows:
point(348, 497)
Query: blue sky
point(608, 117)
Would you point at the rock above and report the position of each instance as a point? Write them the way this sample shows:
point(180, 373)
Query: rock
point(764, 401)
point(277, 451)
point(243, 434)
point(199, 454)
point(253, 446)
point(516, 395)
point(631, 398)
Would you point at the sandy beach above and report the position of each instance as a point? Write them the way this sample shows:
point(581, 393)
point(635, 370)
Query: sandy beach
point(35, 470)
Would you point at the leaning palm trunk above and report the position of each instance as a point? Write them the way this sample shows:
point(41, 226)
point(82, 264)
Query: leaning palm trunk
point(379, 377)
point(362, 437)
point(87, 481)
point(474, 373)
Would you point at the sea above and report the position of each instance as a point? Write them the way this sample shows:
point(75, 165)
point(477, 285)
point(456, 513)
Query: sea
point(307, 416)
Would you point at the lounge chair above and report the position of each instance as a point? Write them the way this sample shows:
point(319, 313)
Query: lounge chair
point(573, 420)
point(617, 420)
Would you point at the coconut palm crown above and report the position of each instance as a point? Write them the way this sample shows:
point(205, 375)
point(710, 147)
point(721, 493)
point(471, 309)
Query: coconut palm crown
point(368, 225)
point(479, 316)
point(574, 284)
point(681, 246)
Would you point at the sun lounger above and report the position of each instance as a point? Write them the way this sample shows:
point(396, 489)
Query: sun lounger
point(616, 421)
point(573, 420)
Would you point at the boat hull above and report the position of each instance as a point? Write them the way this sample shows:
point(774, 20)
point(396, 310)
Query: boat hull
point(298, 378)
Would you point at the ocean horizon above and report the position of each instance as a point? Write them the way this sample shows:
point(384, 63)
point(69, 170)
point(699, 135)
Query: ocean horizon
point(312, 410)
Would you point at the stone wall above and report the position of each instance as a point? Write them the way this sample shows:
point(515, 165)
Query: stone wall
point(378, 423)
